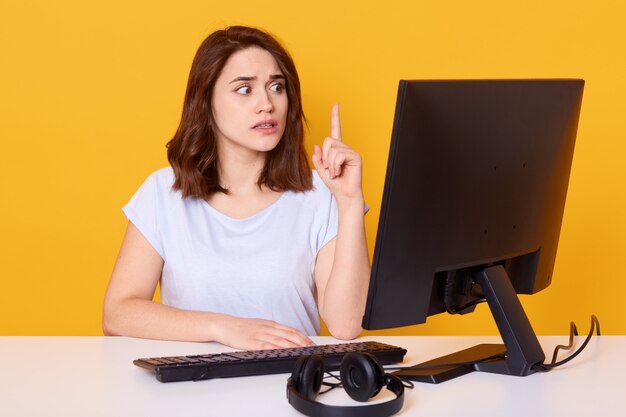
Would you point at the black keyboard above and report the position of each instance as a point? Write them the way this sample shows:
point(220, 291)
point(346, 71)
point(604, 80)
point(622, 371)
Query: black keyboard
point(260, 362)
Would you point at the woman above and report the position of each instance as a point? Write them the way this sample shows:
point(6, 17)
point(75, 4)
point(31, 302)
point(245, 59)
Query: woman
point(250, 245)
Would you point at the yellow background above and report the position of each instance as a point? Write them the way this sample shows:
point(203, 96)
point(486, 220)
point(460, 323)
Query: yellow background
point(90, 92)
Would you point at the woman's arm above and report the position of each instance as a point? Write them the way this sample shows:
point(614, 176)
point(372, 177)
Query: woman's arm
point(342, 268)
point(130, 311)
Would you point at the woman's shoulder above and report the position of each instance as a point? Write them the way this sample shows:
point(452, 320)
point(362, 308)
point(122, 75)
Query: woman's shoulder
point(157, 186)
point(159, 181)
point(163, 177)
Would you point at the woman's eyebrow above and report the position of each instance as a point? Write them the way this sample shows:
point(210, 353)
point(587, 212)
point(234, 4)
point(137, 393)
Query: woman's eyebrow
point(242, 78)
point(252, 78)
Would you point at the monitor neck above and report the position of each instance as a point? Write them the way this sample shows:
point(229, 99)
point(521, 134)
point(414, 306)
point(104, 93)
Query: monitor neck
point(523, 350)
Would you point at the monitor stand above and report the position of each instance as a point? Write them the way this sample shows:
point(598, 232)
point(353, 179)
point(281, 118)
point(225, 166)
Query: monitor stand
point(521, 346)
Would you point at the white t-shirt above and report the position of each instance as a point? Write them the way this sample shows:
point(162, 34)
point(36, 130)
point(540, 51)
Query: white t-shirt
point(257, 267)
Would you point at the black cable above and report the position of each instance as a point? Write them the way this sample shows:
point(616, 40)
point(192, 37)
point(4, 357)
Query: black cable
point(595, 325)
point(573, 331)
point(330, 384)
point(447, 296)
point(330, 375)
point(407, 383)
point(464, 307)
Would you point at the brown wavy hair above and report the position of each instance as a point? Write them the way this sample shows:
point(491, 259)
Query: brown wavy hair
point(192, 152)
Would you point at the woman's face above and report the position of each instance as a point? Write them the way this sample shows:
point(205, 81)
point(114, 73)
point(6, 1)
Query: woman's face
point(249, 102)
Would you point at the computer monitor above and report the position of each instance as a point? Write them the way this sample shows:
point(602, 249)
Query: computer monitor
point(471, 211)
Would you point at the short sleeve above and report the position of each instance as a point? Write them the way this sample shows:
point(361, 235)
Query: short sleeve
point(143, 210)
point(329, 227)
point(326, 214)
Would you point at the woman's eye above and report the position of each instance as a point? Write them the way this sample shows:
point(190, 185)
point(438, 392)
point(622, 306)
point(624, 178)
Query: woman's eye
point(244, 89)
point(277, 88)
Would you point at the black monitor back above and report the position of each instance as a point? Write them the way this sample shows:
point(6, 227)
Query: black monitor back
point(477, 175)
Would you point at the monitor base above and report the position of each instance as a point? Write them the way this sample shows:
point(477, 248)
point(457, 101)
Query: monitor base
point(442, 374)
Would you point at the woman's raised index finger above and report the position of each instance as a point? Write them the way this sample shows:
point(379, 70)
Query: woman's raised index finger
point(335, 124)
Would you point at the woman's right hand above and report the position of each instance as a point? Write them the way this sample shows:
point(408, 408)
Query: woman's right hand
point(254, 334)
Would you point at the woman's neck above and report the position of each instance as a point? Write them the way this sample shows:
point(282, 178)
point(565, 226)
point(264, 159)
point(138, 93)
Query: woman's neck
point(239, 171)
point(245, 198)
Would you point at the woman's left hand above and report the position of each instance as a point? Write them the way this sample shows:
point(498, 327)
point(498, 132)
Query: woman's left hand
point(339, 166)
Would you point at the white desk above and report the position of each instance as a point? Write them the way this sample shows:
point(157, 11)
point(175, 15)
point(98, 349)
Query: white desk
point(95, 376)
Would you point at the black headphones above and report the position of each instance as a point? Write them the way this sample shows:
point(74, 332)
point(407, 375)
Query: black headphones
point(361, 376)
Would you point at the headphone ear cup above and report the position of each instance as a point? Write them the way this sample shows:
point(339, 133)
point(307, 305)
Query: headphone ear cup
point(361, 375)
point(308, 375)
